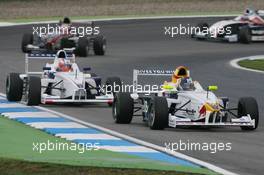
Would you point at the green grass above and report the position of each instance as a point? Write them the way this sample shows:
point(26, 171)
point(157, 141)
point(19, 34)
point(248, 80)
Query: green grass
point(17, 144)
point(18, 167)
point(253, 64)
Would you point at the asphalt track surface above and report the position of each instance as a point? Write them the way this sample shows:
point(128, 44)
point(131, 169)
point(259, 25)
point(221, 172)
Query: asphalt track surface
point(142, 44)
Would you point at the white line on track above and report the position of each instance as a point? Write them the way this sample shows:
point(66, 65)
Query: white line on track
point(13, 105)
point(129, 149)
point(42, 125)
point(13, 115)
point(87, 136)
point(234, 63)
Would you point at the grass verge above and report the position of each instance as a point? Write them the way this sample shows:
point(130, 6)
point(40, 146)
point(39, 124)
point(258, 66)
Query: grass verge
point(17, 156)
point(18, 167)
point(252, 64)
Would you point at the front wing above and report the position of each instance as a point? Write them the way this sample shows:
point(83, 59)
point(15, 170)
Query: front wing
point(175, 121)
point(99, 99)
point(228, 38)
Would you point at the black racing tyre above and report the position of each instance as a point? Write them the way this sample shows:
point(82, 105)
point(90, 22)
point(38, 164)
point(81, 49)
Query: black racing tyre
point(158, 114)
point(113, 85)
point(34, 91)
point(244, 35)
point(26, 39)
point(14, 87)
point(248, 105)
point(99, 45)
point(66, 43)
point(82, 48)
point(123, 108)
point(200, 27)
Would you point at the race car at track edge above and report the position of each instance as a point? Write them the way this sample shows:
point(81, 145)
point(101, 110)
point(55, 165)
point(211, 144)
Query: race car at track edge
point(173, 107)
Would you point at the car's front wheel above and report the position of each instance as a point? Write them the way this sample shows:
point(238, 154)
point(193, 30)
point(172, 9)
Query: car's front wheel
point(200, 27)
point(244, 35)
point(26, 40)
point(82, 48)
point(248, 105)
point(14, 87)
point(99, 45)
point(123, 108)
point(33, 91)
point(158, 114)
point(113, 85)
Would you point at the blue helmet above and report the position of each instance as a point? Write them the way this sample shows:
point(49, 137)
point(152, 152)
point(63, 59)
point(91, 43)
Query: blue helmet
point(187, 84)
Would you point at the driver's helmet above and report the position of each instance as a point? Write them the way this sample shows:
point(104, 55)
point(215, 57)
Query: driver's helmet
point(187, 84)
point(66, 21)
point(248, 12)
point(180, 72)
point(65, 25)
point(64, 65)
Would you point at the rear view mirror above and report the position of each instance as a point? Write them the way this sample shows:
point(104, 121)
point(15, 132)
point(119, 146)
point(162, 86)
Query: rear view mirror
point(212, 88)
point(168, 87)
point(46, 68)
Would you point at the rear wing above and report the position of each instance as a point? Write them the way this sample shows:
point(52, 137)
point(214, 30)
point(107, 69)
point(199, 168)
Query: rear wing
point(150, 72)
point(41, 56)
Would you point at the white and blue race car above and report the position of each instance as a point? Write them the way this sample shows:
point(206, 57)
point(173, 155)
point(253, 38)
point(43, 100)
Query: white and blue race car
point(60, 82)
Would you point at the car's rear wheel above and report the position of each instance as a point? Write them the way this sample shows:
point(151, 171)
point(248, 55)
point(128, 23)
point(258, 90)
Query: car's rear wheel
point(66, 43)
point(82, 49)
point(14, 87)
point(123, 108)
point(99, 45)
point(244, 35)
point(158, 116)
point(248, 105)
point(26, 40)
point(113, 85)
point(33, 91)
